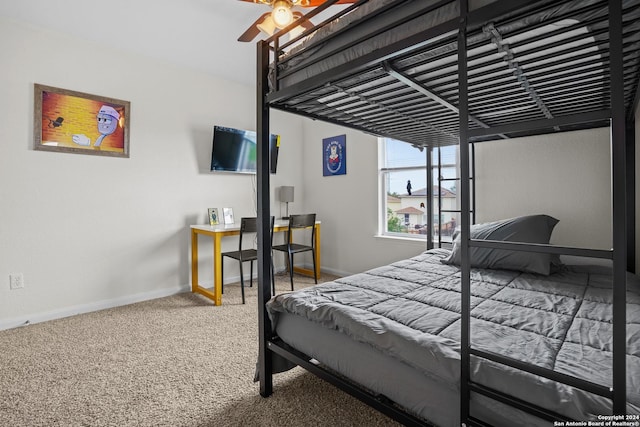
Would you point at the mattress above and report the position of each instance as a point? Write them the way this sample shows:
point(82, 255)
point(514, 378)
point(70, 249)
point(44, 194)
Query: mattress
point(420, 395)
point(379, 24)
point(375, 33)
point(409, 313)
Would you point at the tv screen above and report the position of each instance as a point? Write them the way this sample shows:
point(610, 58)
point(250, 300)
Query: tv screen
point(234, 150)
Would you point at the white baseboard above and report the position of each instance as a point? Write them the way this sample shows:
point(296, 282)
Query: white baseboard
point(309, 266)
point(87, 308)
point(336, 272)
point(117, 302)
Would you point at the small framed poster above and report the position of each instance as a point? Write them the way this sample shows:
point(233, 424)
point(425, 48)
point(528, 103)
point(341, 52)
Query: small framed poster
point(334, 155)
point(213, 216)
point(227, 214)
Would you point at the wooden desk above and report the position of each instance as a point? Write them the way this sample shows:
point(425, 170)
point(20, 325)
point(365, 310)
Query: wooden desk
point(220, 231)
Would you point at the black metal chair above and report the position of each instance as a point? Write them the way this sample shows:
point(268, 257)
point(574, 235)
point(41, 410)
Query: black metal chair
point(299, 222)
point(247, 225)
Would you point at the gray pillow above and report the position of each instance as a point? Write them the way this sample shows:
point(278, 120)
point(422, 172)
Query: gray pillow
point(527, 229)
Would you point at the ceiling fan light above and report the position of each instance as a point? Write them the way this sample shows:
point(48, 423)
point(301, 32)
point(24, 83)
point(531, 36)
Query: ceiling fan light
point(281, 14)
point(267, 26)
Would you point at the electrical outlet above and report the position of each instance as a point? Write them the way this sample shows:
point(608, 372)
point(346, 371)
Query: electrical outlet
point(16, 281)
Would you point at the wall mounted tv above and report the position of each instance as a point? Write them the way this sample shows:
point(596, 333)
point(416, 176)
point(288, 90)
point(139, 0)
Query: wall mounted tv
point(234, 150)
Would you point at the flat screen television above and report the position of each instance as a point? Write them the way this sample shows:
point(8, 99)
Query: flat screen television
point(235, 150)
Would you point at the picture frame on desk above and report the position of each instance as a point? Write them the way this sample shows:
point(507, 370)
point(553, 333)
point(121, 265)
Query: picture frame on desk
point(213, 216)
point(227, 214)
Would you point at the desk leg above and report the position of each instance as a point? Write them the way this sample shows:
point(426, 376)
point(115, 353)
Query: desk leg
point(195, 286)
point(217, 274)
point(194, 261)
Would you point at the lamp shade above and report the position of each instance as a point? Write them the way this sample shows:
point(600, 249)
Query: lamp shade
point(281, 13)
point(267, 26)
point(286, 193)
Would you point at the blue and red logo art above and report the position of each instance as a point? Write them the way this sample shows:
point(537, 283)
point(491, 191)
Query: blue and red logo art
point(334, 152)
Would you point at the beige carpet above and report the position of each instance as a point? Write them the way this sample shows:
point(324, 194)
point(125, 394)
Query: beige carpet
point(175, 361)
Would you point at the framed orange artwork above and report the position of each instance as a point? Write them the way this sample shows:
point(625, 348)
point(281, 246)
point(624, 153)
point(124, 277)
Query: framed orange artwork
point(76, 122)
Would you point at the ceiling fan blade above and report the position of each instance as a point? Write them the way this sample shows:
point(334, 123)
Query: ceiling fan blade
point(250, 34)
point(253, 30)
point(305, 24)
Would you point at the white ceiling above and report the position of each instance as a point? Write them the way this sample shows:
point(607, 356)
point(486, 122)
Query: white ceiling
point(200, 34)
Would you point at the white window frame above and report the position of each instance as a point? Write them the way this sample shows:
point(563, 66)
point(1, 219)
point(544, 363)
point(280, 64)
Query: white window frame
point(383, 172)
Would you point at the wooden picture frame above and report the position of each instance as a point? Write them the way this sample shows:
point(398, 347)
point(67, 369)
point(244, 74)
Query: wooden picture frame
point(75, 122)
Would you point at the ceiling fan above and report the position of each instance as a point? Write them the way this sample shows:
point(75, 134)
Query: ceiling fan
point(280, 16)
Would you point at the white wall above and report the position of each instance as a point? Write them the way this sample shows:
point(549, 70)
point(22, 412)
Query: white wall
point(567, 176)
point(347, 204)
point(564, 175)
point(90, 231)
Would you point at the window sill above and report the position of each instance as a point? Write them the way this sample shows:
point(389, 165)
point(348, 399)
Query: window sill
point(422, 240)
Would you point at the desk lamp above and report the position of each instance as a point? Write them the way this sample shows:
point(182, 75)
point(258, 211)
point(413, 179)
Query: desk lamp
point(286, 195)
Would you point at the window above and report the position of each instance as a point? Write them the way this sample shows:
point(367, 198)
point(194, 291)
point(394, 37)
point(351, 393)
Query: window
point(447, 200)
point(403, 192)
point(403, 182)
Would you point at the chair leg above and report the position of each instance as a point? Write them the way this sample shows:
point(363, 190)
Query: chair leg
point(273, 278)
point(221, 275)
point(251, 275)
point(315, 275)
point(242, 282)
point(291, 268)
point(287, 260)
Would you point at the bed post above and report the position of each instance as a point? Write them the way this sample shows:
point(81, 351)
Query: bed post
point(264, 242)
point(618, 164)
point(430, 199)
point(465, 262)
point(630, 143)
point(472, 180)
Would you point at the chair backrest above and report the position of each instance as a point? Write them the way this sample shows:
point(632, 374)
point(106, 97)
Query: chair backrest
point(299, 222)
point(247, 225)
point(250, 225)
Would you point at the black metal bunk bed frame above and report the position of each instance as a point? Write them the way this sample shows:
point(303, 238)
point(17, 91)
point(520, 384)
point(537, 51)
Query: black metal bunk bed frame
point(616, 114)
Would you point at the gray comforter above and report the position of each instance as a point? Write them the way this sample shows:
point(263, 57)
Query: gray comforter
point(410, 310)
